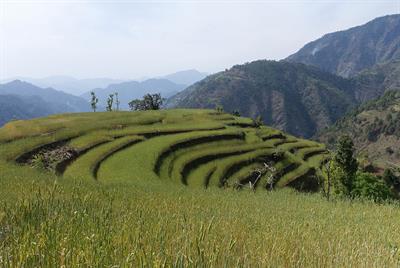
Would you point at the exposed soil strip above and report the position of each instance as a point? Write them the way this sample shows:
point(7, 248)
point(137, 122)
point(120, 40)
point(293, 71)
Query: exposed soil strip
point(312, 153)
point(284, 141)
point(265, 157)
point(209, 175)
point(195, 163)
point(305, 182)
point(242, 125)
point(274, 136)
point(62, 165)
point(289, 168)
point(27, 157)
point(190, 143)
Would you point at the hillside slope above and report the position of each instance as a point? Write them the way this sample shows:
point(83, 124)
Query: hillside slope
point(21, 100)
point(293, 97)
point(348, 52)
point(17, 107)
point(375, 129)
point(63, 101)
point(375, 81)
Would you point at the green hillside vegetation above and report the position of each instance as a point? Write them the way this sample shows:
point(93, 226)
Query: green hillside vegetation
point(375, 81)
point(127, 189)
point(374, 128)
point(292, 97)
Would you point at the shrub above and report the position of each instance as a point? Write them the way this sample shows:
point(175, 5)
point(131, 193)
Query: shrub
point(389, 150)
point(390, 178)
point(235, 113)
point(149, 102)
point(258, 122)
point(219, 108)
point(371, 187)
point(346, 164)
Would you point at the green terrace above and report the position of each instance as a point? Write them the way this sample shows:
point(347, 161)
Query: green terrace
point(196, 148)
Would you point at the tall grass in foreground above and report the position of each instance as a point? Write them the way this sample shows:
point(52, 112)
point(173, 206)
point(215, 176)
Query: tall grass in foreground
point(44, 223)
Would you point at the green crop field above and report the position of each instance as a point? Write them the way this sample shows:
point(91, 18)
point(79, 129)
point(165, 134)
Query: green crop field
point(176, 188)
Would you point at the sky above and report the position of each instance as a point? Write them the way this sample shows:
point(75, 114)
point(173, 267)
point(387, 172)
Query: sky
point(131, 39)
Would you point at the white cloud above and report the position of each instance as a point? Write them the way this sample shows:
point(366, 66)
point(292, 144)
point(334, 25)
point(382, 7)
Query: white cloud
point(130, 39)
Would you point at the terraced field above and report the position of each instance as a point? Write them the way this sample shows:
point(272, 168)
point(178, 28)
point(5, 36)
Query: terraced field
point(126, 189)
point(196, 148)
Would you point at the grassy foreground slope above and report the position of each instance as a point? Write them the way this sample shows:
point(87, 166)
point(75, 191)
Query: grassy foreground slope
point(133, 216)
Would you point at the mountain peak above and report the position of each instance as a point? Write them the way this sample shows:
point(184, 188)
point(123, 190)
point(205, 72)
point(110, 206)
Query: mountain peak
point(350, 51)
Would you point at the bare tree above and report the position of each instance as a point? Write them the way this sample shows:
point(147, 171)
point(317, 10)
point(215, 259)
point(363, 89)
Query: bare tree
point(326, 183)
point(94, 101)
point(117, 100)
point(110, 101)
point(271, 179)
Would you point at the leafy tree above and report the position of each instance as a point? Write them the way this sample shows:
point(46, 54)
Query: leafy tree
point(390, 178)
point(371, 187)
point(117, 100)
point(345, 165)
point(149, 102)
point(110, 101)
point(94, 101)
point(219, 108)
point(235, 113)
point(258, 121)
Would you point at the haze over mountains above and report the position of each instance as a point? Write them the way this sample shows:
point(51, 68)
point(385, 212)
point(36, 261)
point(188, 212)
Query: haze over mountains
point(78, 87)
point(27, 98)
point(22, 100)
point(68, 84)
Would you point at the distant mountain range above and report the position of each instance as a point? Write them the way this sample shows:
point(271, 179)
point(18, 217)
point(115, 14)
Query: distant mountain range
point(22, 100)
point(348, 52)
point(68, 84)
point(187, 77)
point(128, 91)
point(78, 87)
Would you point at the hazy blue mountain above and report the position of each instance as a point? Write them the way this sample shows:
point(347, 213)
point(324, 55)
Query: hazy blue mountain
point(348, 52)
point(187, 77)
point(128, 91)
point(13, 107)
point(69, 84)
point(64, 102)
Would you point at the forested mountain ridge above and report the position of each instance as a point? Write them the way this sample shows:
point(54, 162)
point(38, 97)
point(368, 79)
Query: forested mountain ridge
point(348, 52)
point(375, 81)
point(293, 97)
point(374, 128)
